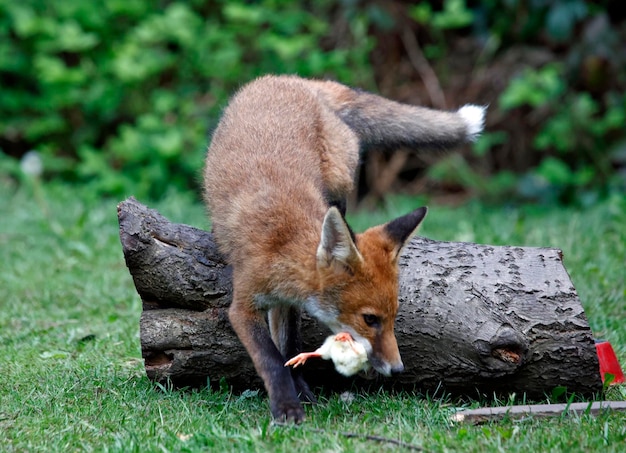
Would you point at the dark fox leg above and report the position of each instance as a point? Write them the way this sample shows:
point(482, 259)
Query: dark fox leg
point(285, 328)
point(252, 330)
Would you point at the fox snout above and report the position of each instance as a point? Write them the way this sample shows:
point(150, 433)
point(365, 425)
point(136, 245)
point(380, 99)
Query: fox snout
point(384, 356)
point(398, 368)
point(386, 368)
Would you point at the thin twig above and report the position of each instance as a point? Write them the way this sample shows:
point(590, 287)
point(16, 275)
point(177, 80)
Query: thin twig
point(421, 65)
point(486, 414)
point(369, 437)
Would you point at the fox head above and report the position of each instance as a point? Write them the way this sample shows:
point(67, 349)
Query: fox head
point(359, 283)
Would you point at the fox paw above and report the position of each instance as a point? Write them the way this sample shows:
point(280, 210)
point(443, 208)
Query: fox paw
point(285, 412)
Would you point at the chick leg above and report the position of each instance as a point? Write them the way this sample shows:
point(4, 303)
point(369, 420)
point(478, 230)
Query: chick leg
point(301, 358)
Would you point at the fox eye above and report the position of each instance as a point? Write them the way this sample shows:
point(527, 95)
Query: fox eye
point(371, 320)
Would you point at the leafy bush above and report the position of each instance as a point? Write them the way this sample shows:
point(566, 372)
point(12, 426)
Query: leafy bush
point(558, 121)
point(577, 138)
point(121, 93)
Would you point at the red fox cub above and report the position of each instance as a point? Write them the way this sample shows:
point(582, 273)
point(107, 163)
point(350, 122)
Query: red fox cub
point(279, 167)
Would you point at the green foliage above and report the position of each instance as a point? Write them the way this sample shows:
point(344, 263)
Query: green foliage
point(530, 22)
point(455, 169)
point(455, 14)
point(534, 88)
point(568, 102)
point(577, 135)
point(122, 94)
point(562, 17)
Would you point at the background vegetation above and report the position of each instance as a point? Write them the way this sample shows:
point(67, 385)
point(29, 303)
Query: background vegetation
point(121, 95)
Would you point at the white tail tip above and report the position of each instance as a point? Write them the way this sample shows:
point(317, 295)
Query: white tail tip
point(474, 117)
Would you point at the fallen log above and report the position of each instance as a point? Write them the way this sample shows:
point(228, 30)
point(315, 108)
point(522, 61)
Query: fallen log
point(472, 319)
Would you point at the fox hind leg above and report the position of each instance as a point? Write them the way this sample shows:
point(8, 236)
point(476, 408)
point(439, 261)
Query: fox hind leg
point(284, 323)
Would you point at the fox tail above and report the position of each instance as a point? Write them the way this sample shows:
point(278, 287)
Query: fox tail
point(382, 123)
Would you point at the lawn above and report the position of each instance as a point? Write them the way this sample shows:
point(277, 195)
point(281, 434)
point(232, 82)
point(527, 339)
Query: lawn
point(72, 376)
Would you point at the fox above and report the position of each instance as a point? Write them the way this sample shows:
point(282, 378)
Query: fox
point(279, 167)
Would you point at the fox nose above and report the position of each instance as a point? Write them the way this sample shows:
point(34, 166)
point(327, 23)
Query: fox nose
point(397, 369)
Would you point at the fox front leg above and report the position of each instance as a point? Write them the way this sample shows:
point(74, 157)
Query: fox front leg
point(250, 327)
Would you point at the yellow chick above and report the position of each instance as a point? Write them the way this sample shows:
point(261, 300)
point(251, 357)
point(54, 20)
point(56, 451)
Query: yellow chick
point(348, 356)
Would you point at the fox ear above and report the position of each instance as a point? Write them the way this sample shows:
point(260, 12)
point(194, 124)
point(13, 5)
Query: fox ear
point(336, 243)
point(401, 229)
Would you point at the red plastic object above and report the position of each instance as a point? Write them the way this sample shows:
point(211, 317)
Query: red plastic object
point(609, 363)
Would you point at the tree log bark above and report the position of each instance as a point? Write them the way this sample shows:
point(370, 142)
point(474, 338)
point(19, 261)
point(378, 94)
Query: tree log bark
point(473, 318)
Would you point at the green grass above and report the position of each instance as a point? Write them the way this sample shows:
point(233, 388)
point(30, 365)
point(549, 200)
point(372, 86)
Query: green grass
point(72, 376)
